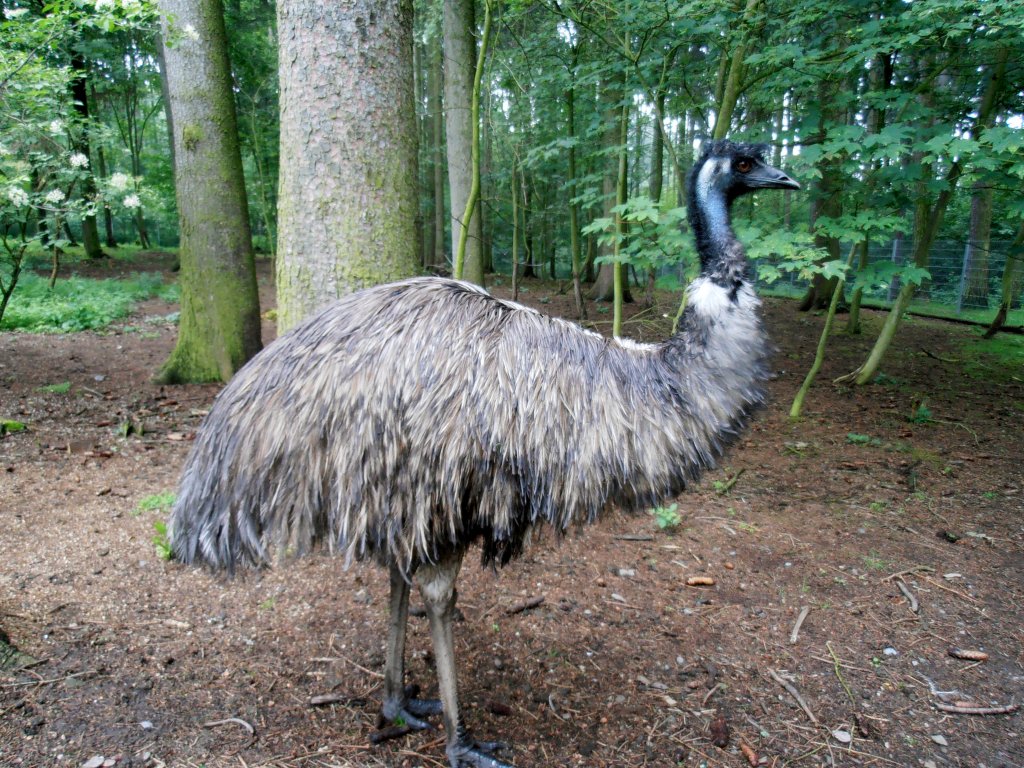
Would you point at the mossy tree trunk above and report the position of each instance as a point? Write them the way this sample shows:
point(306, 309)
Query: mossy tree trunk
point(348, 192)
point(220, 324)
point(460, 62)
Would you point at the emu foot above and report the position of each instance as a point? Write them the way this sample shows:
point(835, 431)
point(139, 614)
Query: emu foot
point(409, 711)
point(467, 752)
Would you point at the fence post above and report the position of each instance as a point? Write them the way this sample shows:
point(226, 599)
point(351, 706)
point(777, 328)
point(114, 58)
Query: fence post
point(963, 278)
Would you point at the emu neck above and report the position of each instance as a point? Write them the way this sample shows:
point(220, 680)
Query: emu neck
point(721, 253)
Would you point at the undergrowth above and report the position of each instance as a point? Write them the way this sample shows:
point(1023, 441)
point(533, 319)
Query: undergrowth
point(79, 303)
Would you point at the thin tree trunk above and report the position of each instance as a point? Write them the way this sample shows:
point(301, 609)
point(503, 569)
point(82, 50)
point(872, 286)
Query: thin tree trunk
point(435, 79)
point(472, 210)
point(927, 223)
point(575, 254)
point(733, 83)
point(1009, 283)
point(460, 68)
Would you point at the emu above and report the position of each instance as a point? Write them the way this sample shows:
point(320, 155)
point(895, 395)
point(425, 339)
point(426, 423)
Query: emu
point(407, 421)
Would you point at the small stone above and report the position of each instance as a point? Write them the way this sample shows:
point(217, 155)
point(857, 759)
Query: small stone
point(626, 573)
point(618, 597)
point(96, 761)
point(843, 737)
point(146, 725)
point(930, 764)
point(890, 651)
point(939, 739)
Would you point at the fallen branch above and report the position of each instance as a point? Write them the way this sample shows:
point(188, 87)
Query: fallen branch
point(955, 709)
point(795, 634)
point(634, 537)
point(794, 693)
point(914, 606)
point(526, 605)
point(915, 569)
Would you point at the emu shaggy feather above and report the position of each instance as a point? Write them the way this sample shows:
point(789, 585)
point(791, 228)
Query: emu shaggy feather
point(407, 420)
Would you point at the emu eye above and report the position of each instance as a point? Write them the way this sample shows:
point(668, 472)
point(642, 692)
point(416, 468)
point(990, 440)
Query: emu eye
point(743, 165)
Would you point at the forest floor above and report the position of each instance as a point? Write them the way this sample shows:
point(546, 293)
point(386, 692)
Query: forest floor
point(915, 480)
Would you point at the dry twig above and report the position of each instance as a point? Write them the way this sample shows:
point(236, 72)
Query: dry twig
point(795, 634)
point(794, 693)
point(955, 709)
point(231, 721)
point(914, 606)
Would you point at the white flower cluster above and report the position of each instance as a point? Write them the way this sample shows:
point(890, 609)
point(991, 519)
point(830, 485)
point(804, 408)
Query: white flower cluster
point(132, 201)
point(13, 13)
point(55, 196)
point(104, 6)
point(57, 126)
point(120, 181)
point(78, 160)
point(18, 196)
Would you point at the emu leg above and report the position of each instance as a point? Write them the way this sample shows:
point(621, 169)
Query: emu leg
point(397, 703)
point(437, 585)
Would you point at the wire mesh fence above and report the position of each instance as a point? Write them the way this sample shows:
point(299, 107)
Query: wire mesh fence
point(962, 276)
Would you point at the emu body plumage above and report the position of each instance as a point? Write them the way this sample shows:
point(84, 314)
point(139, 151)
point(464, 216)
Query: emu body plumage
point(407, 421)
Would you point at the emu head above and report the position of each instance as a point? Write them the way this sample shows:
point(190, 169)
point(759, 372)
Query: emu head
point(732, 169)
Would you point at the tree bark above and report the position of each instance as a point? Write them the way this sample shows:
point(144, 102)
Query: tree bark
point(348, 202)
point(220, 325)
point(460, 66)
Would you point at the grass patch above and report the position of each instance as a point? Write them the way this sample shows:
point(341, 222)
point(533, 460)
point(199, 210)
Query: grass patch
point(1000, 358)
point(79, 303)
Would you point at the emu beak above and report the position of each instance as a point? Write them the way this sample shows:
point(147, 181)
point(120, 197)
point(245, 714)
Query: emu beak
point(766, 177)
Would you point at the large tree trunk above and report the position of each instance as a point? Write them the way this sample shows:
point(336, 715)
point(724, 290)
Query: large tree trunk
point(460, 66)
point(220, 324)
point(348, 201)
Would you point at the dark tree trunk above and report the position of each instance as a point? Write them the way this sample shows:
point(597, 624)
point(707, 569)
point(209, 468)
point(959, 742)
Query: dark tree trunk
point(80, 97)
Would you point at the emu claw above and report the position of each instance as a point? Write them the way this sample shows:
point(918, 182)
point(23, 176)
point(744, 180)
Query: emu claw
point(476, 754)
point(410, 710)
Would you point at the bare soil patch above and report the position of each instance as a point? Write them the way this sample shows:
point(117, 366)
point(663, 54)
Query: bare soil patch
point(622, 664)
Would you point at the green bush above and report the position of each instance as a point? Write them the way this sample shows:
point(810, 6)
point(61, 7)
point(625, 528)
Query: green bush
point(79, 303)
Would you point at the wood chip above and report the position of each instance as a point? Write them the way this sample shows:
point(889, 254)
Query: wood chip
point(749, 753)
point(700, 581)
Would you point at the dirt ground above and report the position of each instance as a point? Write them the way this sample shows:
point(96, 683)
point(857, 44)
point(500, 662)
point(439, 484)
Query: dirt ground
point(143, 662)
